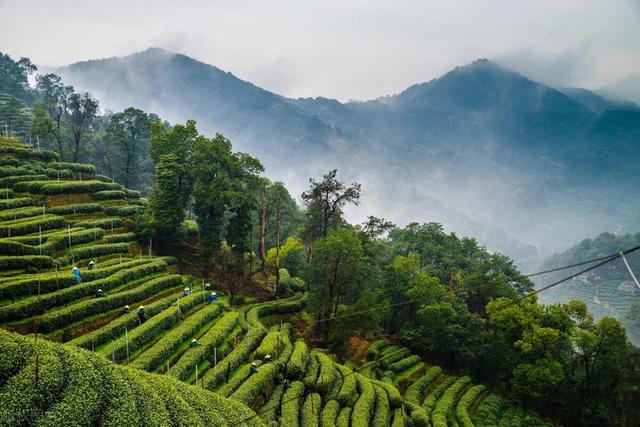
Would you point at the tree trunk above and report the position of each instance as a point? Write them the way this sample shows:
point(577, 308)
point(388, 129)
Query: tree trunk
point(277, 249)
point(263, 222)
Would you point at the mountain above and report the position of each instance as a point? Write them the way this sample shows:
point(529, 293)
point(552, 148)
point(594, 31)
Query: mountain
point(525, 168)
point(627, 88)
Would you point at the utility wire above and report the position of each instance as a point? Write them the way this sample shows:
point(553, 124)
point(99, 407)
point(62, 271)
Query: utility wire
point(605, 260)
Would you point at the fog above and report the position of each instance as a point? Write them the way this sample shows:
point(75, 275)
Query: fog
point(344, 50)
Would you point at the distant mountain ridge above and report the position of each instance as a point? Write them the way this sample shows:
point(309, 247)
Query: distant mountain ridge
point(482, 149)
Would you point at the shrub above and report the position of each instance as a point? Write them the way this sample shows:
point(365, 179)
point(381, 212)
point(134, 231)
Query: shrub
point(381, 414)
point(313, 369)
point(328, 376)
point(387, 357)
point(149, 330)
point(28, 226)
point(290, 404)
point(464, 404)
point(15, 203)
point(349, 391)
point(75, 208)
point(106, 223)
point(77, 187)
point(126, 210)
point(28, 153)
point(30, 185)
point(13, 171)
point(11, 181)
point(109, 195)
point(123, 237)
point(24, 212)
point(329, 413)
point(430, 400)
point(74, 312)
point(418, 415)
point(16, 262)
point(269, 344)
point(49, 282)
point(10, 247)
point(376, 347)
point(212, 338)
point(117, 327)
point(299, 360)
point(33, 305)
point(250, 389)
point(344, 417)
point(416, 390)
point(102, 178)
point(445, 403)
point(488, 412)
point(395, 399)
point(363, 408)
point(270, 410)
point(398, 418)
point(132, 194)
point(405, 363)
point(169, 343)
point(92, 251)
point(61, 239)
point(311, 410)
point(234, 359)
point(76, 167)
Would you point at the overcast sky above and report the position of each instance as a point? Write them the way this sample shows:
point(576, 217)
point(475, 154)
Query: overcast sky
point(339, 48)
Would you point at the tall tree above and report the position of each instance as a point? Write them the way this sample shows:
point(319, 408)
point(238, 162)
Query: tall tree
point(168, 213)
point(336, 274)
point(324, 202)
point(14, 76)
point(51, 112)
point(83, 109)
point(128, 133)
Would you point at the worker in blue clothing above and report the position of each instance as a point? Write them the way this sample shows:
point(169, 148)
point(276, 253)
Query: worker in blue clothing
point(194, 343)
point(100, 294)
point(126, 309)
point(76, 272)
point(186, 292)
point(253, 368)
point(91, 265)
point(213, 297)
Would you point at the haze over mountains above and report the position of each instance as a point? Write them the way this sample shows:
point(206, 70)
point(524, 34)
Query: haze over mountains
point(525, 168)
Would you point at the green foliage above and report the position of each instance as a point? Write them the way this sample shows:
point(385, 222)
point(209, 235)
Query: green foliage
point(291, 401)
point(382, 411)
point(363, 408)
point(488, 412)
point(106, 223)
point(299, 360)
point(464, 405)
point(328, 377)
point(349, 390)
point(127, 210)
point(270, 410)
point(15, 203)
point(31, 225)
point(376, 347)
point(405, 363)
point(212, 338)
point(110, 195)
point(447, 400)
point(32, 305)
point(329, 413)
point(86, 308)
point(169, 343)
point(256, 384)
point(122, 237)
point(15, 262)
point(344, 417)
point(92, 251)
point(431, 399)
point(416, 390)
point(310, 411)
point(149, 330)
point(79, 388)
point(75, 208)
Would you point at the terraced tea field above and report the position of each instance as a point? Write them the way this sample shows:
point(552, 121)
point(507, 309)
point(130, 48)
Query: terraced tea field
point(78, 357)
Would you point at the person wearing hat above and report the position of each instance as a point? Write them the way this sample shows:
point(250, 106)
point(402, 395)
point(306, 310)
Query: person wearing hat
point(100, 294)
point(253, 368)
point(267, 358)
point(185, 292)
point(126, 309)
point(207, 286)
point(76, 272)
point(287, 384)
point(91, 265)
point(194, 343)
point(142, 315)
point(213, 297)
